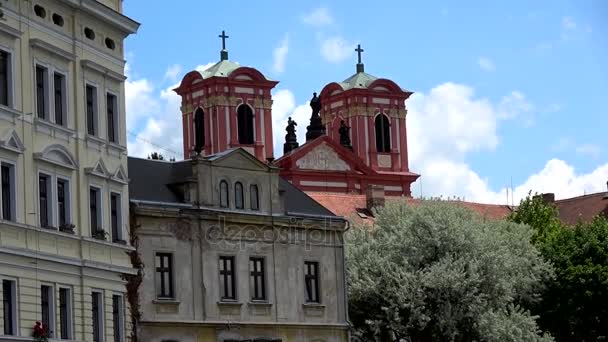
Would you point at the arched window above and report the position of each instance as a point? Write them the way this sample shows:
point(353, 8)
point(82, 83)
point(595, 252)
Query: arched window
point(245, 124)
point(224, 194)
point(238, 195)
point(199, 130)
point(383, 133)
point(253, 197)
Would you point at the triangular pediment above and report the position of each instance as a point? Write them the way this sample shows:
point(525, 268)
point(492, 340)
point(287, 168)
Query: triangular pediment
point(324, 154)
point(11, 142)
point(58, 155)
point(99, 169)
point(120, 175)
point(238, 159)
point(322, 158)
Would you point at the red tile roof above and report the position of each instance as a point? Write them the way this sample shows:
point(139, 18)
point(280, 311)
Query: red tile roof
point(583, 208)
point(347, 205)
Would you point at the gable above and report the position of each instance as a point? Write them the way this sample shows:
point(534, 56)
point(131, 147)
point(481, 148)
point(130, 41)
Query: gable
point(99, 170)
point(238, 159)
point(322, 157)
point(120, 175)
point(12, 142)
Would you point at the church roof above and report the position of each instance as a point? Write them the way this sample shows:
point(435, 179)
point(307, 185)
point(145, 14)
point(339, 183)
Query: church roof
point(223, 68)
point(359, 80)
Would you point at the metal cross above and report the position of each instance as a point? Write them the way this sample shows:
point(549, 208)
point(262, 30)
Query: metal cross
point(223, 36)
point(359, 50)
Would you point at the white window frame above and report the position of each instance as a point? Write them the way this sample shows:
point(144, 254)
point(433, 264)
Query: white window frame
point(65, 101)
point(14, 211)
point(121, 232)
point(121, 316)
point(100, 207)
point(101, 314)
point(15, 302)
point(47, 84)
point(52, 309)
point(70, 315)
point(116, 117)
point(10, 72)
point(96, 111)
point(68, 199)
point(51, 197)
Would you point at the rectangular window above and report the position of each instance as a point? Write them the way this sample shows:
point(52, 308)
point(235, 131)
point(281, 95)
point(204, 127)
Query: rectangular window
point(227, 279)
point(5, 69)
point(115, 216)
point(60, 100)
point(257, 279)
point(112, 111)
point(44, 192)
point(118, 318)
point(311, 279)
point(46, 309)
point(95, 209)
point(97, 314)
point(41, 91)
point(63, 202)
point(65, 314)
point(91, 103)
point(164, 275)
point(9, 310)
point(7, 195)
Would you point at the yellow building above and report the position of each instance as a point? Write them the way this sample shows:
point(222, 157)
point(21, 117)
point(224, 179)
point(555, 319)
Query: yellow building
point(63, 168)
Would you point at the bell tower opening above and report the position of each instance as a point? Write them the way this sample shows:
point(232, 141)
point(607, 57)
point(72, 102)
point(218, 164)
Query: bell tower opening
point(245, 125)
point(383, 134)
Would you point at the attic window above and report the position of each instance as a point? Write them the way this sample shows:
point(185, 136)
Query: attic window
point(57, 19)
point(89, 33)
point(40, 11)
point(110, 44)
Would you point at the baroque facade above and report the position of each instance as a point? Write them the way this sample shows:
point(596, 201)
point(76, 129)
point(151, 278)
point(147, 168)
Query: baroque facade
point(233, 252)
point(64, 197)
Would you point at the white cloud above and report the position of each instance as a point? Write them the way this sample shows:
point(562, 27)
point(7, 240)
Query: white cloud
point(590, 150)
point(283, 107)
point(173, 72)
point(450, 122)
point(318, 17)
point(336, 49)
point(514, 105)
point(486, 64)
point(155, 117)
point(279, 55)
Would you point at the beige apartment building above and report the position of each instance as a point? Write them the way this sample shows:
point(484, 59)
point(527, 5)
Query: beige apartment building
point(64, 233)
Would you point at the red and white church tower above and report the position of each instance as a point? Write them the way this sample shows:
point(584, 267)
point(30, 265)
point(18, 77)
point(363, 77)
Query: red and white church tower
point(364, 142)
point(232, 104)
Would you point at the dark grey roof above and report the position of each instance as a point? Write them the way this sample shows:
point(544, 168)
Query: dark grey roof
point(298, 202)
point(150, 180)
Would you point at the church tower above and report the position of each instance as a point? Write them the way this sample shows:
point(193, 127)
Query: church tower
point(227, 106)
point(374, 109)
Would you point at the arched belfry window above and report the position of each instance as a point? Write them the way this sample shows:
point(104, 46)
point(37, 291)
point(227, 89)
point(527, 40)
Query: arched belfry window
point(254, 199)
point(383, 133)
point(245, 124)
point(199, 130)
point(224, 194)
point(238, 195)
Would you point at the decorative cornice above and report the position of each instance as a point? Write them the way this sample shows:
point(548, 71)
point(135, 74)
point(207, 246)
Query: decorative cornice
point(57, 51)
point(100, 11)
point(103, 70)
point(11, 31)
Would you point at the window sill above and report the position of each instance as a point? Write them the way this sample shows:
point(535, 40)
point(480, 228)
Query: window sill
point(107, 243)
point(8, 113)
point(115, 148)
point(167, 301)
point(53, 130)
point(229, 303)
point(314, 309)
point(259, 303)
point(94, 142)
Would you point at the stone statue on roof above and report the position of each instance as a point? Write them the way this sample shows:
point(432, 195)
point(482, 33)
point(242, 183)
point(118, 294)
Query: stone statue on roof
point(291, 140)
point(316, 127)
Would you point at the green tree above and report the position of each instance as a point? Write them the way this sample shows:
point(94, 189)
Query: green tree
point(573, 305)
point(439, 272)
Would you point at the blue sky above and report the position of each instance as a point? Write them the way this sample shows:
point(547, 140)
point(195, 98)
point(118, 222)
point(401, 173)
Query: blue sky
point(504, 91)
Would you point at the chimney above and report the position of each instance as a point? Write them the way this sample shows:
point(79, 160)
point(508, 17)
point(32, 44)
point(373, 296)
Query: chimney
point(374, 197)
point(548, 198)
